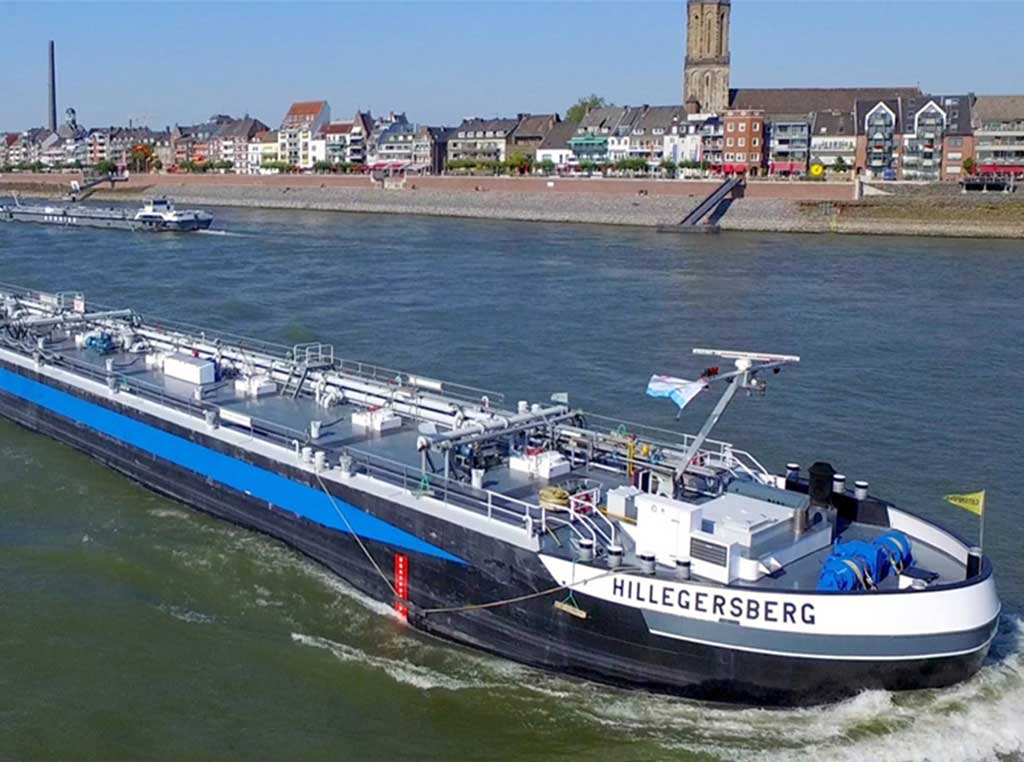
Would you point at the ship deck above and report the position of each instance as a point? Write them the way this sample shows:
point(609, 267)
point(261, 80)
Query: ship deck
point(395, 457)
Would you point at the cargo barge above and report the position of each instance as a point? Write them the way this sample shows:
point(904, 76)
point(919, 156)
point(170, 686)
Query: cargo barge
point(534, 531)
point(155, 215)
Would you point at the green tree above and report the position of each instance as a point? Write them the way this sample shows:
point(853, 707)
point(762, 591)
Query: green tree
point(970, 165)
point(669, 167)
point(547, 166)
point(631, 165)
point(579, 109)
point(588, 166)
point(519, 163)
point(839, 165)
point(322, 166)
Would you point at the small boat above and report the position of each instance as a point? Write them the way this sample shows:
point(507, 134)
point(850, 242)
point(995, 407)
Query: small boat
point(160, 214)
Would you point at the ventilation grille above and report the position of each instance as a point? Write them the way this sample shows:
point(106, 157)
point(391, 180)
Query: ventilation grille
point(708, 551)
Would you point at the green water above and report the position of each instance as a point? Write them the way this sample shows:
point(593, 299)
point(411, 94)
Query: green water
point(135, 628)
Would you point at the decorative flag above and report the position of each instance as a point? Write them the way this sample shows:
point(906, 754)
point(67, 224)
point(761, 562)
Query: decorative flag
point(679, 390)
point(970, 501)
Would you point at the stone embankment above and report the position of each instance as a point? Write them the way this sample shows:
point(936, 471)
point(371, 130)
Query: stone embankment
point(768, 206)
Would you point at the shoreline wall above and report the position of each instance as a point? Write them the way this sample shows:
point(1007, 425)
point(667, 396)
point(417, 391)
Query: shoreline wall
point(767, 207)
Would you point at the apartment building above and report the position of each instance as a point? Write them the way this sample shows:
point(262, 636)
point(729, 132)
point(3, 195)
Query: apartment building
point(303, 121)
point(529, 133)
point(999, 137)
point(834, 138)
point(231, 141)
point(789, 144)
point(555, 147)
point(879, 129)
point(712, 135)
point(481, 140)
point(744, 149)
point(654, 131)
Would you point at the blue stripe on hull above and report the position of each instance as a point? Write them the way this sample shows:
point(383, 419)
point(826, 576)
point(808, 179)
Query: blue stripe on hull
point(310, 503)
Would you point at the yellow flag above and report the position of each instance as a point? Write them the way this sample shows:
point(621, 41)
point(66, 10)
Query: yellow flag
point(971, 501)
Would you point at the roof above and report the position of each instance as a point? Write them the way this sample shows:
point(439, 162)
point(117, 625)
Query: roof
point(241, 128)
point(303, 112)
point(956, 107)
point(535, 125)
point(306, 108)
point(494, 125)
point(804, 100)
point(559, 135)
point(338, 128)
point(833, 124)
point(999, 108)
point(863, 107)
point(660, 117)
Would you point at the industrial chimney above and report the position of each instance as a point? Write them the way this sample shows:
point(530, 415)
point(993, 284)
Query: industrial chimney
point(53, 91)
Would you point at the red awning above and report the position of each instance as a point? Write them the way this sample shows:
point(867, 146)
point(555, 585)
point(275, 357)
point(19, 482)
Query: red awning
point(1001, 169)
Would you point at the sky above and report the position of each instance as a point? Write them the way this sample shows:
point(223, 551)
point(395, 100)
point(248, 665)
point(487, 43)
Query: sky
point(178, 62)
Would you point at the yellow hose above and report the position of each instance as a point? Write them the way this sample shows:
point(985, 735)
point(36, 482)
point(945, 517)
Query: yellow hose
point(554, 498)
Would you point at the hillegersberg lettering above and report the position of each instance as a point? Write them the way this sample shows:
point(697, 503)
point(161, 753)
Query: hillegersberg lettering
point(715, 604)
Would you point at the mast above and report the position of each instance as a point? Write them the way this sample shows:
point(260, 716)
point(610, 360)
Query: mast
point(746, 376)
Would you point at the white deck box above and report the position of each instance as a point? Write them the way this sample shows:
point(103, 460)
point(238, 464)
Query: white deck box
point(194, 370)
point(544, 465)
point(380, 419)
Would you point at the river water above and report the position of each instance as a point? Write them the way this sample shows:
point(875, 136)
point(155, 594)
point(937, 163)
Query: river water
point(136, 628)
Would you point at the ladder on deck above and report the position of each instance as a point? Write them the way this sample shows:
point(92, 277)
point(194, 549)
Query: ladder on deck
point(306, 357)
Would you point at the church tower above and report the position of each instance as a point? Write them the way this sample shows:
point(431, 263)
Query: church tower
point(706, 74)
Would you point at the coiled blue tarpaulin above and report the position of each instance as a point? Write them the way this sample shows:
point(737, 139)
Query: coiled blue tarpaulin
point(859, 565)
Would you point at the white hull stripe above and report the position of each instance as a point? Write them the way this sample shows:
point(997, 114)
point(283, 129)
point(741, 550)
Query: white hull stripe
point(726, 634)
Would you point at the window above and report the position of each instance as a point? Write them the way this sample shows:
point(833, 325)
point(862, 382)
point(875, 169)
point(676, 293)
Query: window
point(729, 157)
point(742, 142)
point(743, 126)
point(755, 142)
point(728, 142)
point(731, 127)
point(757, 127)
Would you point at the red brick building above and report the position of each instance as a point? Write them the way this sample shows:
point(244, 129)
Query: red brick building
point(743, 152)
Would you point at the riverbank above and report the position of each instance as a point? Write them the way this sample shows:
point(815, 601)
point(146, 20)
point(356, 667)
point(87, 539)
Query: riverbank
point(799, 207)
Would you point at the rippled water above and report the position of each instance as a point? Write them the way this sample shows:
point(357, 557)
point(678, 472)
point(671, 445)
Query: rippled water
point(136, 628)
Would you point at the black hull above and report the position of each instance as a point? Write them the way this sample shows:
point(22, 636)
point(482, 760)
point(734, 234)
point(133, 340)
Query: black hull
point(613, 645)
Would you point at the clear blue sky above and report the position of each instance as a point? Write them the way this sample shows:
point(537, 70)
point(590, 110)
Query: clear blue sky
point(181, 62)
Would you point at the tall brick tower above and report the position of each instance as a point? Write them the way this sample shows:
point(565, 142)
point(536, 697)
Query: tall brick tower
point(706, 74)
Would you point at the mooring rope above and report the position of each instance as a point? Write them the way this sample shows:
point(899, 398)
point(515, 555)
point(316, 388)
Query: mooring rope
point(362, 547)
point(519, 598)
point(468, 607)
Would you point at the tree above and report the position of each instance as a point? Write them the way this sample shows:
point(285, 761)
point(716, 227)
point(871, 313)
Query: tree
point(139, 158)
point(970, 165)
point(631, 165)
point(578, 110)
point(669, 167)
point(839, 165)
point(322, 166)
point(547, 166)
point(519, 163)
point(588, 166)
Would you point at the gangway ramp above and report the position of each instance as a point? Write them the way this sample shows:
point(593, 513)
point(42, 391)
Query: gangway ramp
point(701, 218)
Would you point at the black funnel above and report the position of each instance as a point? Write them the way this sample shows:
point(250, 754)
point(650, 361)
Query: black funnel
point(819, 482)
